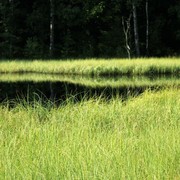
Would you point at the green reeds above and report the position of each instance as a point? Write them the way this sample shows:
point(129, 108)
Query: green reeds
point(92, 139)
point(95, 67)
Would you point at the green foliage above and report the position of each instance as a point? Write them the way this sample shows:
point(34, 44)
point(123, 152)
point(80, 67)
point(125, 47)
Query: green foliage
point(33, 48)
point(86, 28)
point(67, 50)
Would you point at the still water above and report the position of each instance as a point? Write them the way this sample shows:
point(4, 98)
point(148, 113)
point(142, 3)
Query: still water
point(53, 87)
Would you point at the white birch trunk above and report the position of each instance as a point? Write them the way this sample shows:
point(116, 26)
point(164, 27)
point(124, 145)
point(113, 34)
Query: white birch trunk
point(126, 30)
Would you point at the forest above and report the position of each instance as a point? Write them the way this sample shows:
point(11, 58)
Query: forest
point(86, 29)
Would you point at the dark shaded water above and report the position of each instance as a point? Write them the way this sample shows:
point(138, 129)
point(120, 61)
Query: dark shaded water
point(60, 91)
point(78, 87)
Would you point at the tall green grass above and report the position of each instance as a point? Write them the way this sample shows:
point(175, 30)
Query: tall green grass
point(92, 139)
point(95, 67)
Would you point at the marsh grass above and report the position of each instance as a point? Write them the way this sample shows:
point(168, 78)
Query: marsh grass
point(93, 139)
point(95, 67)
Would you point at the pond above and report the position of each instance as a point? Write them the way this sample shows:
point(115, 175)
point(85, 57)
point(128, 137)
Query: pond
point(58, 88)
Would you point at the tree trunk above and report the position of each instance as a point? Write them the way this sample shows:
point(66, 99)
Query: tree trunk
point(147, 29)
point(51, 44)
point(136, 35)
point(126, 30)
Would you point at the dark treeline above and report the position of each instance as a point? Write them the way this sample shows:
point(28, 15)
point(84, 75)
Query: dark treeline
point(89, 28)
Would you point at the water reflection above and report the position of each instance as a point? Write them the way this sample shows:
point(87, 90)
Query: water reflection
point(55, 87)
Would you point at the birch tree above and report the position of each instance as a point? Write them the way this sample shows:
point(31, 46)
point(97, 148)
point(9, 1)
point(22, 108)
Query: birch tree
point(126, 29)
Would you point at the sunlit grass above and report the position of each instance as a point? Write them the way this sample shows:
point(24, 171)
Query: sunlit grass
point(95, 67)
point(92, 139)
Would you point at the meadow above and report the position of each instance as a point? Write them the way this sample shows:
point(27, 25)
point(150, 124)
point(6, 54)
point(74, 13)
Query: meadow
point(92, 139)
point(95, 67)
